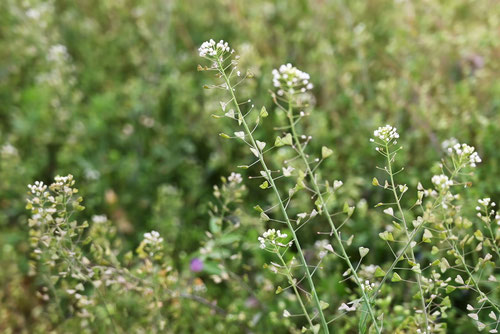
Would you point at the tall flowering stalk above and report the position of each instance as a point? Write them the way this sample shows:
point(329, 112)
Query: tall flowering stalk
point(462, 156)
point(219, 54)
point(291, 84)
point(439, 224)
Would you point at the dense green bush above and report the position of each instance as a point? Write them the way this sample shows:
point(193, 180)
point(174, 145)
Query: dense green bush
point(108, 91)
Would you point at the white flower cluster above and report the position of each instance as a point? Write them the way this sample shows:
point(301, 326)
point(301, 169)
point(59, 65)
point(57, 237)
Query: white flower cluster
point(153, 238)
point(235, 178)
point(486, 202)
point(290, 79)
point(367, 286)
point(463, 151)
point(63, 184)
point(449, 143)
point(442, 182)
point(210, 49)
point(38, 188)
point(58, 54)
point(385, 133)
point(271, 236)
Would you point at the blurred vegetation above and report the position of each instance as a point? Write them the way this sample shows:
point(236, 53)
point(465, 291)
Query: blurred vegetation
point(108, 91)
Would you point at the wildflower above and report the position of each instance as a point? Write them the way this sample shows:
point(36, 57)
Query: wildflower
point(485, 201)
point(38, 188)
point(210, 49)
point(273, 237)
point(386, 134)
point(290, 79)
point(235, 178)
point(152, 238)
point(442, 182)
point(196, 265)
point(467, 154)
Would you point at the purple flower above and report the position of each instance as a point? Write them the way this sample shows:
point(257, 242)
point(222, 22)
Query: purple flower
point(196, 265)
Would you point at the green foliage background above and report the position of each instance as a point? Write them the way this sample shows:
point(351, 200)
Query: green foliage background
point(130, 120)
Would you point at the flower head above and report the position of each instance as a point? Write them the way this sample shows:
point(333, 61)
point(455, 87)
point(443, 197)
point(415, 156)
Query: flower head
point(235, 177)
point(274, 238)
point(386, 134)
point(196, 265)
point(152, 238)
point(442, 182)
point(211, 49)
point(289, 79)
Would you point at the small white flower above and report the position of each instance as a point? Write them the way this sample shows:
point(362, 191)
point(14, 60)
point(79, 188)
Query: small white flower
point(235, 178)
point(442, 182)
point(291, 80)
point(210, 49)
point(386, 133)
point(153, 238)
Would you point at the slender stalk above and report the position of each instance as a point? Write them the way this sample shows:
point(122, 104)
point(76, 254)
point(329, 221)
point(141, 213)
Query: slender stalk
point(294, 286)
point(326, 213)
point(269, 178)
point(411, 253)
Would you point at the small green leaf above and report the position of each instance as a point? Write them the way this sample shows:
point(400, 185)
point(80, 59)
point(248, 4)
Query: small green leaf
point(375, 182)
point(264, 185)
point(223, 135)
point(323, 305)
point(450, 289)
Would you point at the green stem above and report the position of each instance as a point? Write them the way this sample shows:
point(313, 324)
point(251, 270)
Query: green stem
point(328, 216)
point(302, 259)
point(412, 254)
point(292, 283)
